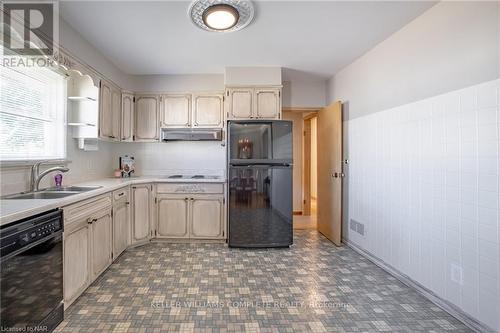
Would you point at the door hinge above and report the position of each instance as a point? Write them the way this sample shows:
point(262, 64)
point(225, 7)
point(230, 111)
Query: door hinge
point(305, 201)
point(304, 133)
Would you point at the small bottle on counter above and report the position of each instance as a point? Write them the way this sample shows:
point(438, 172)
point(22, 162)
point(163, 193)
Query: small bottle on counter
point(58, 179)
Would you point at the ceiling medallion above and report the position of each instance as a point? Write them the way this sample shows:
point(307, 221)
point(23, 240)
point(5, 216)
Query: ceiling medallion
point(221, 15)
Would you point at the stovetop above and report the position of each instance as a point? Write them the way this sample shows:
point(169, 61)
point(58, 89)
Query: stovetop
point(192, 177)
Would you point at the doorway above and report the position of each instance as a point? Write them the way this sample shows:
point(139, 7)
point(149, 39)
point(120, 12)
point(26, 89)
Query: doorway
point(305, 167)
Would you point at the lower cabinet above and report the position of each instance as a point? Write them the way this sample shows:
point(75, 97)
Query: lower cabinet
point(141, 213)
point(207, 217)
point(101, 247)
point(87, 244)
point(173, 213)
point(121, 221)
point(196, 216)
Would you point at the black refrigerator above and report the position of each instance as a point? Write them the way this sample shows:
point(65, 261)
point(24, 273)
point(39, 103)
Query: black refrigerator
point(260, 183)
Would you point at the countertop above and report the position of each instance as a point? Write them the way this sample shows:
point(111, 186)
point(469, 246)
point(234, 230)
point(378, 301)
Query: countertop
point(15, 209)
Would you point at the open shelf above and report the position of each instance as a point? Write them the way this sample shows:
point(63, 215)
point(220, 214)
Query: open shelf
point(81, 124)
point(81, 99)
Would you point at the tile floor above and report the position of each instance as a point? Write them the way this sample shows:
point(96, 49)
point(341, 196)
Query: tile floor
point(311, 287)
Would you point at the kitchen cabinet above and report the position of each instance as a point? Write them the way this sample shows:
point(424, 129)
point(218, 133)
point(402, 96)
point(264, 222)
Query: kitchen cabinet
point(208, 110)
point(101, 236)
point(190, 210)
point(206, 216)
point(176, 110)
point(146, 122)
point(202, 110)
point(87, 244)
point(121, 221)
point(172, 216)
point(127, 117)
point(76, 260)
point(141, 201)
point(253, 103)
point(109, 111)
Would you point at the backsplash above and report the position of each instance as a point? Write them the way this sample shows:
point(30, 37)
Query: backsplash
point(84, 166)
point(423, 178)
point(187, 157)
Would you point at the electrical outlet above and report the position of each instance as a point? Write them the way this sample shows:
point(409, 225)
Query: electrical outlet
point(456, 274)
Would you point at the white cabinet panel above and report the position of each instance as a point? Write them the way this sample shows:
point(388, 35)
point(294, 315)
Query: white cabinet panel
point(240, 102)
point(101, 243)
point(208, 110)
point(206, 217)
point(172, 216)
point(267, 103)
point(176, 110)
point(141, 198)
point(146, 118)
point(127, 119)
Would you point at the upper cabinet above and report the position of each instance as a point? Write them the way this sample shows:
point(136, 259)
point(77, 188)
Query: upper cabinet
point(109, 111)
point(176, 110)
point(146, 118)
point(127, 122)
point(208, 110)
point(202, 110)
point(253, 103)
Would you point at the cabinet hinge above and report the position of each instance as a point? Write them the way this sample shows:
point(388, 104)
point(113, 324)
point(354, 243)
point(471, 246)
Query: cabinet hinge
point(111, 213)
point(155, 233)
point(112, 255)
point(227, 114)
point(227, 93)
point(223, 200)
point(223, 233)
point(304, 133)
point(133, 137)
point(133, 100)
point(279, 93)
point(156, 200)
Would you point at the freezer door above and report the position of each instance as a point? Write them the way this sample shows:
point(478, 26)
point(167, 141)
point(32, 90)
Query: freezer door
point(260, 141)
point(260, 206)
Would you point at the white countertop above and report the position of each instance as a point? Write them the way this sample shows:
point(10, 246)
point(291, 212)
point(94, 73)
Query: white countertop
point(15, 209)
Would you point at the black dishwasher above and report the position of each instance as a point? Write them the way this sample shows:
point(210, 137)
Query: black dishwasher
point(31, 278)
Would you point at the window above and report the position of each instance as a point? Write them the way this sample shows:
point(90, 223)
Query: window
point(32, 114)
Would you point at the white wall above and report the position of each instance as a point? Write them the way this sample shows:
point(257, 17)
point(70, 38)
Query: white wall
point(303, 90)
point(179, 83)
point(424, 158)
point(451, 46)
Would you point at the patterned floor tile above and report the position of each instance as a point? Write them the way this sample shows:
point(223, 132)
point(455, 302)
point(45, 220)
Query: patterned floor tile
point(311, 287)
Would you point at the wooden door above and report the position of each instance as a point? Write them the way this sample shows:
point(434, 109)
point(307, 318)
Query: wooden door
point(330, 172)
point(127, 119)
point(172, 216)
point(240, 102)
point(176, 111)
point(101, 247)
point(208, 110)
point(121, 227)
point(76, 260)
point(146, 123)
point(105, 112)
point(207, 217)
point(267, 103)
point(141, 198)
point(116, 108)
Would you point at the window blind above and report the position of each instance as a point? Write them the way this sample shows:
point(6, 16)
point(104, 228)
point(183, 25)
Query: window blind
point(32, 114)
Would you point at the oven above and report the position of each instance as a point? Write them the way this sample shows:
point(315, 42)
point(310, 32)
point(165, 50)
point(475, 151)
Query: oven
point(31, 278)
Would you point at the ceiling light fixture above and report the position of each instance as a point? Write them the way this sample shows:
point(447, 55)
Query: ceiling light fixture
point(221, 15)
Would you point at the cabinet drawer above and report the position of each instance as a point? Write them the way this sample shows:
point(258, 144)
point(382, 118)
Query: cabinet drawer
point(84, 208)
point(121, 194)
point(190, 188)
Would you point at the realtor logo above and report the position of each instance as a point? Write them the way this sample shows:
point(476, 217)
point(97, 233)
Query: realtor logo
point(29, 28)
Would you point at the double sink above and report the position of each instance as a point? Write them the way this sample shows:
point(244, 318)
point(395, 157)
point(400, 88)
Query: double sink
point(52, 192)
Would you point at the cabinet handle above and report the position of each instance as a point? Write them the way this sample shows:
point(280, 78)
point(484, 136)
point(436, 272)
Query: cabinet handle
point(121, 194)
point(186, 199)
point(191, 199)
point(127, 203)
point(91, 220)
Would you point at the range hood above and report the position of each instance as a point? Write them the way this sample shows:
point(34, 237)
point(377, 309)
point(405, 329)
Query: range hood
point(191, 134)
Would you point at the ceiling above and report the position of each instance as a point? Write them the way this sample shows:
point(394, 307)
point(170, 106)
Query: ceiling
point(317, 37)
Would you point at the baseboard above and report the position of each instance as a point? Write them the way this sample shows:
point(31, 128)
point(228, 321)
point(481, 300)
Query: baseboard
point(452, 309)
point(297, 212)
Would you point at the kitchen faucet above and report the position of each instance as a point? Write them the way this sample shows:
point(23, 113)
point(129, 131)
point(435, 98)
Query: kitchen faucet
point(36, 176)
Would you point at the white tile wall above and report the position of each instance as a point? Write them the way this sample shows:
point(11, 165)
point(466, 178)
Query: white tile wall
point(424, 179)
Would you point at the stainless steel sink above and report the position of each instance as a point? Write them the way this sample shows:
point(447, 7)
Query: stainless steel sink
point(72, 188)
point(41, 195)
point(52, 192)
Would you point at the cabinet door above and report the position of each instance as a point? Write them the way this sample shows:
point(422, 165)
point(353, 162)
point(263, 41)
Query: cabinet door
point(146, 118)
point(268, 103)
point(76, 260)
point(207, 217)
point(116, 106)
point(105, 112)
point(101, 247)
point(208, 110)
point(141, 197)
point(240, 103)
point(172, 216)
point(176, 111)
point(127, 120)
point(121, 227)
